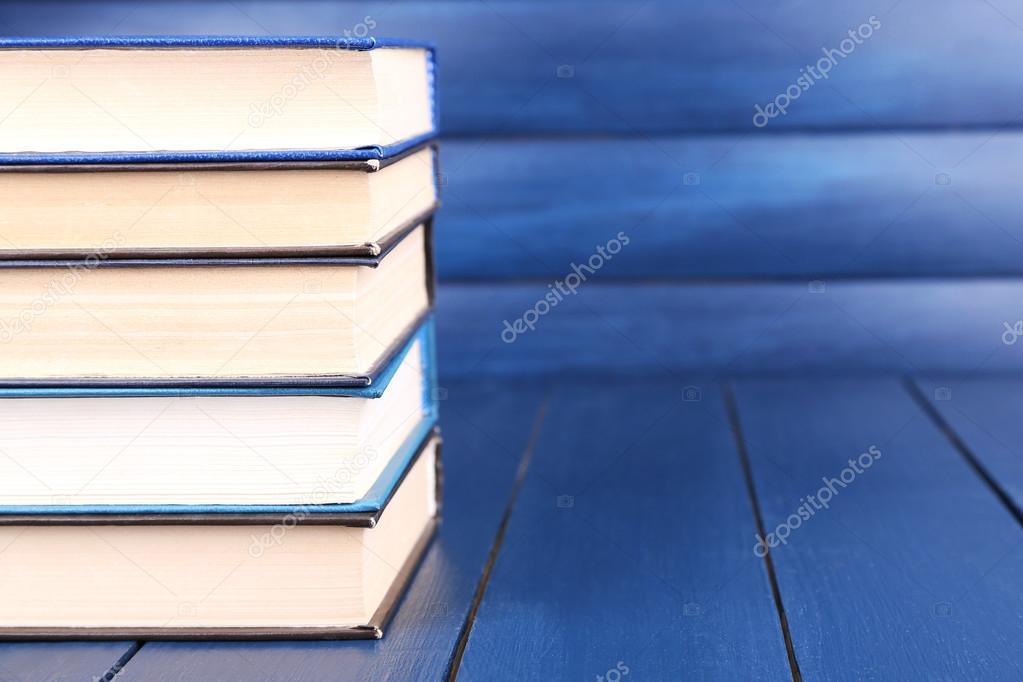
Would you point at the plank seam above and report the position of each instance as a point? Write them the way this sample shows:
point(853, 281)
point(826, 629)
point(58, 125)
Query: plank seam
point(964, 450)
point(481, 587)
point(467, 134)
point(831, 277)
point(731, 407)
point(115, 670)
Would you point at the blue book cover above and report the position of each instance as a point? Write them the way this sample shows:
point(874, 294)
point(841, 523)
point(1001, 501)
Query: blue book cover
point(373, 153)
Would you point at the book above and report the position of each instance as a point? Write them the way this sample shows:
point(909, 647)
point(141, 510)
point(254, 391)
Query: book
point(216, 322)
point(298, 574)
point(218, 395)
point(212, 98)
point(204, 210)
point(199, 450)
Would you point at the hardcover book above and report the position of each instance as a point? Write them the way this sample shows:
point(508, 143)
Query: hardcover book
point(300, 573)
point(181, 99)
point(214, 322)
point(112, 450)
point(217, 387)
point(214, 210)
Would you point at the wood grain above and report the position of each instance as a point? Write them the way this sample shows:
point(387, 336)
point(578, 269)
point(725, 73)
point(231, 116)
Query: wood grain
point(629, 546)
point(913, 570)
point(883, 204)
point(29, 662)
point(846, 328)
point(986, 415)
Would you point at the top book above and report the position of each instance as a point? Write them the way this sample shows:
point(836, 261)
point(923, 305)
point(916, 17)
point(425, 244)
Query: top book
point(124, 100)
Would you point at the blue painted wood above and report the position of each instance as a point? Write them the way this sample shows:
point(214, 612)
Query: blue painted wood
point(913, 571)
point(847, 328)
point(803, 206)
point(629, 547)
point(664, 66)
point(986, 414)
point(486, 428)
point(57, 661)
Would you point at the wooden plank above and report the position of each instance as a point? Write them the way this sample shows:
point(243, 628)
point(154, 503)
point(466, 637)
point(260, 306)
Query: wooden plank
point(913, 569)
point(848, 328)
point(986, 416)
point(792, 206)
point(62, 660)
point(486, 427)
point(662, 66)
point(629, 546)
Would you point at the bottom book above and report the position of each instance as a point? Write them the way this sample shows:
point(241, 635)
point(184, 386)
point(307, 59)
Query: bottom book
point(305, 574)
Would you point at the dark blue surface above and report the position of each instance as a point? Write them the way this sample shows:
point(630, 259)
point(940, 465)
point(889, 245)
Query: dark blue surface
point(985, 414)
point(913, 571)
point(829, 327)
point(64, 661)
point(795, 206)
point(629, 546)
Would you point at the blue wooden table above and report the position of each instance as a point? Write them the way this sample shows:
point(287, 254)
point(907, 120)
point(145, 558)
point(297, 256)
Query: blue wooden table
point(595, 526)
point(810, 337)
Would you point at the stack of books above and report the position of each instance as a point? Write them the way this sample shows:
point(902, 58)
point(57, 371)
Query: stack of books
point(217, 388)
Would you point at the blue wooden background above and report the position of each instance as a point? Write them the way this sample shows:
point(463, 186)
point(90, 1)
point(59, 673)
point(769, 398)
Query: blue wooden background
point(840, 277)
point(566, 122)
